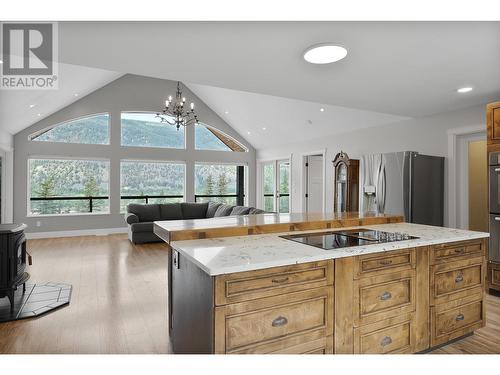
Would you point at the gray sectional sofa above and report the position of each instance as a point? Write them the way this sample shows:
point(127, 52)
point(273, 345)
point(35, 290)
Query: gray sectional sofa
point(140, 217)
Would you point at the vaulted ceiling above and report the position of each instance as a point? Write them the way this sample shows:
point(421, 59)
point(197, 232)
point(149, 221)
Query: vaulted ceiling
point(255, 72)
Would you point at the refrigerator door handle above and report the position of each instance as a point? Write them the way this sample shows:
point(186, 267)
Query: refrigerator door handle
point(497, 169)
point(497, 218)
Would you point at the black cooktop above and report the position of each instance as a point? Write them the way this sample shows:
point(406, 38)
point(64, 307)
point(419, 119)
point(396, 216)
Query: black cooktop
point(347, 238)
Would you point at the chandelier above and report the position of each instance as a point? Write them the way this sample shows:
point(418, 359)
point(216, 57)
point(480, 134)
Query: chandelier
point(174, 112)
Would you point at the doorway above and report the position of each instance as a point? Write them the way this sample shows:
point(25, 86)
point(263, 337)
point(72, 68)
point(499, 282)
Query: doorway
point(471, 182)
point(314, 183)
point(276, 186)
point(478, 186)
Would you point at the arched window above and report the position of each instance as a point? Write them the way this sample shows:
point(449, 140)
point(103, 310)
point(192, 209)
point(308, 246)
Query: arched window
point(86, 130)
point(208, 138)
point(144, 129)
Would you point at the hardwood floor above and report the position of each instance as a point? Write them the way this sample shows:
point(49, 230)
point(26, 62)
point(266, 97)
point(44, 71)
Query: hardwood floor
point(119, 302)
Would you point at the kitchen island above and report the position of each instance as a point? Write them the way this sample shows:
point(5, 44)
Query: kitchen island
point(263, 293)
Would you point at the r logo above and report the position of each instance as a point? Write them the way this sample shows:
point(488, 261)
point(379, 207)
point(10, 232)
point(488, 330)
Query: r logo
point(27, 49)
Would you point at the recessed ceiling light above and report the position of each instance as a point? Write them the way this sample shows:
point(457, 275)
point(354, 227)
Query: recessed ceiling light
point(75, 94)
point(463, 90)
point(32, 105)
point(226, 112)
point(324, 54)
point(322, 110)
point(39, 114)
point(248, 133)
point(263, 128)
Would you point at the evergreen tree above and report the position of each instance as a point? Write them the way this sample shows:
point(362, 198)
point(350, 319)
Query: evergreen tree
point(209, 185)
point(222, 184)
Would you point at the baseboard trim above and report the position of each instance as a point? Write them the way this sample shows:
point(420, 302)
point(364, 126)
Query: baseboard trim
point(76, 233)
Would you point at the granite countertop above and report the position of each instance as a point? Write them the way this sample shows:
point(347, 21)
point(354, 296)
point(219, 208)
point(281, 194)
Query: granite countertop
point(217, 256)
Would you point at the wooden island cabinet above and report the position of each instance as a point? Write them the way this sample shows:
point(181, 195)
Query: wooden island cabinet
point(406, 300)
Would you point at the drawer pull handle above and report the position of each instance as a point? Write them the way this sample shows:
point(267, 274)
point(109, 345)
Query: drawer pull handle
point(385, 296)
point(459, 278)
point(279, 321)
point(385, 262)
point(460, 251)
point(279, 281)
point(460, 317)
point(386, 341)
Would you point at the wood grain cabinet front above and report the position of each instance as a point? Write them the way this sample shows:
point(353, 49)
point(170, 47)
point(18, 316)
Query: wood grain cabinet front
point(456, 280)
point(456, 319)
point(381, 297)
point(254, 326)
point(494, 276)
point(493, 122)
point(377, 264)
point(396, 335)
point(246, 286)
point(447, 252)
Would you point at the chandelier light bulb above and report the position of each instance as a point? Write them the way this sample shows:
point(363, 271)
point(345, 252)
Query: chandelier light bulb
point(170, 98)
point(192, 105)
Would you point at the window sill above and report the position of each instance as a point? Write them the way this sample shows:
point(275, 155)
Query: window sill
point(73, 214)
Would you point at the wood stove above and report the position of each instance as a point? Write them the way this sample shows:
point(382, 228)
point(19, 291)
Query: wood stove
point(12, 260)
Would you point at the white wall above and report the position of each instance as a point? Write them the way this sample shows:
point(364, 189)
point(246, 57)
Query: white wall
point(6, 143)
point(128, 93)
point(427, 135)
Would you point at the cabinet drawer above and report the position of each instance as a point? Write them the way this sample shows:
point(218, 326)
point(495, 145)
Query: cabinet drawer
point(457, 280)
point(310, 343)
point(395, 336)
point(246, 286)
point(456, 250)
point(388, 262)
point(494, 275)
point(239, 327)
point(451, 321)
point(381, 297)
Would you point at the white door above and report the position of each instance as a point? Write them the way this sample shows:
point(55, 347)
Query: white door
point(314, 183)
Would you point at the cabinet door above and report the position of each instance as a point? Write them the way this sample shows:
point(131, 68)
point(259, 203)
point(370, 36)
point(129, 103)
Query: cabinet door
point(493, 122)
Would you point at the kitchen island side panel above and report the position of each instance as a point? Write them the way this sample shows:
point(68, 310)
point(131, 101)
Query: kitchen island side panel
point(192, 307)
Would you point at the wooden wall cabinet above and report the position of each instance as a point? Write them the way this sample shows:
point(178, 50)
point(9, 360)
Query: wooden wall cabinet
point(493, 123)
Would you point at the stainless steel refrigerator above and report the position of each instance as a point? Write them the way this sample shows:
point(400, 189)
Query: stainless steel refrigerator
point(405, 183)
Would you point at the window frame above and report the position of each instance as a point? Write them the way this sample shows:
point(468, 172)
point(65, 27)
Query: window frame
point(32, 136)
point(241, 184)
point(136, 160)
point(151, 147)
point(69, 158)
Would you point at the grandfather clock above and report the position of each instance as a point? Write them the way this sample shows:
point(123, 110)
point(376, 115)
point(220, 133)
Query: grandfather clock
point(345, 183)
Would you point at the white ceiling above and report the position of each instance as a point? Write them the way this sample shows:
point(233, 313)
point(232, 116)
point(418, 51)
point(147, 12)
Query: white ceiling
point(255, 70)
point(15, 111)
point(285, 120)
point(401, 68)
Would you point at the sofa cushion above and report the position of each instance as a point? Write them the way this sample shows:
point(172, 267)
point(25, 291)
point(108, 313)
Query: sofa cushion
point(142, 227)
point(223, 210)
point(171, 211)
point(256, 211)
point(212, 208)
point(194, 210)
point(240, 210)
point(145, 212)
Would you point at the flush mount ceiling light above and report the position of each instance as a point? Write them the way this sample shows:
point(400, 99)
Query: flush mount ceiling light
point(463, 90)
point(324, 54)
